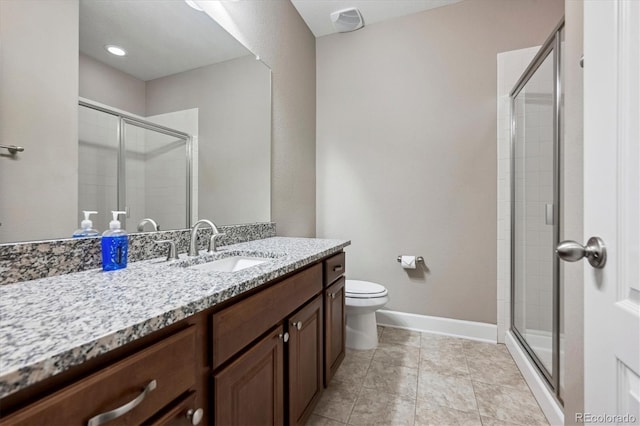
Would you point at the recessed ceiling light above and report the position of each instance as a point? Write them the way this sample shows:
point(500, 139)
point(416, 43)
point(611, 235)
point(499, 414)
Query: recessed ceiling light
point(115, 50)
point(194, 5)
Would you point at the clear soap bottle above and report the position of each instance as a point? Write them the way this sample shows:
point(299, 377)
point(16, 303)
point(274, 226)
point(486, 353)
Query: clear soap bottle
point(115, 245)
point(86, 226)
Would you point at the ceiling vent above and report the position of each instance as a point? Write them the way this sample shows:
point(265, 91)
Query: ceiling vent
point(347, 20)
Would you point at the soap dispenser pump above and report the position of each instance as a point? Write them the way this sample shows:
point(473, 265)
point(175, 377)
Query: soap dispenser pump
point(86, 226)
point(115, 245)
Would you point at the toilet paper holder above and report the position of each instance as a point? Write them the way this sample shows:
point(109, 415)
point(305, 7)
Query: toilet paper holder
point(419, 259)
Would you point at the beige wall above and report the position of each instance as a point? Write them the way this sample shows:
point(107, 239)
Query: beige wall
point(39, 111)
point(406, 148)
point(233, 101)
point(102, 83)
point(274, 31)
point(573, 213)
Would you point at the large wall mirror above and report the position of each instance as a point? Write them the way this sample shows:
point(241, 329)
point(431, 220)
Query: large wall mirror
point(177, 129)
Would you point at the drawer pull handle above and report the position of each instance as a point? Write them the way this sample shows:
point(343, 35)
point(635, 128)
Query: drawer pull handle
point(101, 419)
point(337, 268)
point(297, 324)
point(284, 337)
point(195, 416)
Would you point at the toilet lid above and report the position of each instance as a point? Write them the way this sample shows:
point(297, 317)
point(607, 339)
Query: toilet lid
point(364, 289)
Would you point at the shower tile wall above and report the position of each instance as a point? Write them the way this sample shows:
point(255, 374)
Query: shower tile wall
point(510, 66)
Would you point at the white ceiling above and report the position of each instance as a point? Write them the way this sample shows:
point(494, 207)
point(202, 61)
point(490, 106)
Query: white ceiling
point(316, 12)
point(161, 37)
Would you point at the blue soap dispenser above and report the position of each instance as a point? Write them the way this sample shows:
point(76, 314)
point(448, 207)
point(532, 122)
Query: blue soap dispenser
point(86, 227)
point(115, 245)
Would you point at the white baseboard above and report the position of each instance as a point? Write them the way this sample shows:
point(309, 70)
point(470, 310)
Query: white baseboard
point(451, 327)
point(550, 407)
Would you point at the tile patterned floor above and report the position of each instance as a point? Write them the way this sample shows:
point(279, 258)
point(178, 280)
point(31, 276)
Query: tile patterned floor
point(415, 378)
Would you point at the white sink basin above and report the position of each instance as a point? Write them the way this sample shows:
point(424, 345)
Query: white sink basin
point(230, 264)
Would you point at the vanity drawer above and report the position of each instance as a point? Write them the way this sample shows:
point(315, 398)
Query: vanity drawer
point(241, 323)
point(334, 268)
point(169, 363)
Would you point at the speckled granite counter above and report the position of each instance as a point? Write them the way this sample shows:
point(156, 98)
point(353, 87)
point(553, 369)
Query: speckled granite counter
point(52, 324)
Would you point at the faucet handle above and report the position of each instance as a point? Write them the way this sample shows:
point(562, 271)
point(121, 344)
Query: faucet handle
point(173, 253)
point(212, 242)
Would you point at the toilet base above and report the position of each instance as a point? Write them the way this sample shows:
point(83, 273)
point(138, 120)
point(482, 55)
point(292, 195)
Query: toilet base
point(362, 331)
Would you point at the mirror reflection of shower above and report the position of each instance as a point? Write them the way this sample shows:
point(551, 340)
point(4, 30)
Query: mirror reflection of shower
point(144, 166)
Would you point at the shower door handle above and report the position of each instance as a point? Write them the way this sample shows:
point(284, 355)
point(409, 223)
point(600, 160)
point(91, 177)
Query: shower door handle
point(594, 251)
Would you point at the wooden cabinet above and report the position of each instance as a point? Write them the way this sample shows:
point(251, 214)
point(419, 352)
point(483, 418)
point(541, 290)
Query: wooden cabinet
point(334, 328)
point(250, 390)
point(305, 361)
point(261, 359)
point(279, 378)
point(334, 314)
point(182, 413)
point(235, 327)
point(133, 389)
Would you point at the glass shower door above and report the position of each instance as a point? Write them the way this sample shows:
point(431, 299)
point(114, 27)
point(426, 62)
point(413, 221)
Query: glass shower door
point(133, 165)
point(535, 212)
point(156, 184)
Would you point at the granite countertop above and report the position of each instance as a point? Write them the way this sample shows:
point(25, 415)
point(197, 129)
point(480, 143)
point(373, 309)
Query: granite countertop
point(52, 324)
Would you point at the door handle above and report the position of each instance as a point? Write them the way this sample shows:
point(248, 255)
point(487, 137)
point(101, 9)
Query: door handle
point(595, 252)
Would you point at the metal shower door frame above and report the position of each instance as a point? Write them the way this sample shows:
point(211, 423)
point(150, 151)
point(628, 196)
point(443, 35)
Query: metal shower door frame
point(551, 46)
point(148, 125)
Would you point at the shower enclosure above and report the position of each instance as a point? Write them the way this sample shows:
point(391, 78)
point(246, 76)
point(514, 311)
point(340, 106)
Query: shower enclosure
point(536, 146)
point(133, 165)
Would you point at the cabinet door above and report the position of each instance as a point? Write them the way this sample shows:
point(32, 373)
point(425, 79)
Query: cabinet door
point(305, 360)
point(334, 326)
point(250, 390)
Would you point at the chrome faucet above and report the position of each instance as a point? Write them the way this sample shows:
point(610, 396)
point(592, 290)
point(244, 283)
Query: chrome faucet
point(193, 244)
point(146, 220)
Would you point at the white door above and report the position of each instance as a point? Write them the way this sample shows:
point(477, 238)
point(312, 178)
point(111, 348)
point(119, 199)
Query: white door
point(612, 209)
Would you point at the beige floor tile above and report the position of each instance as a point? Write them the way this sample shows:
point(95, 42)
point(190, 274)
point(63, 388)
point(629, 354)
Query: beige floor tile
point(334, 409)
point(379, 408)
point(354, 353)
point(443, 361)
point(431, 340)
point(337, 400)
point(399, 336)
point(490, 421)
point(427, 413)
point(496, 371)
point(485, 350)
point(392, 379)
point(508, 404)
point(352, 370)
point(456, 382)
point(316, 420)
point(447, 391)
point(406, 356)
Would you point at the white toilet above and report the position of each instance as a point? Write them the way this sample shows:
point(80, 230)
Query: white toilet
point(362, 300)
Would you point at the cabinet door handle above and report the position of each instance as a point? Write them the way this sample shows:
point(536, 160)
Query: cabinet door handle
point(101, 419)
point(284, 337)
point(195, 416)
point(297, 324)
point(337, 268)
point(332, 295)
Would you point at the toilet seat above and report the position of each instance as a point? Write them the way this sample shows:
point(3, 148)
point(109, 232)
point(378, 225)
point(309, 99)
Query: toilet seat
point(356, 289)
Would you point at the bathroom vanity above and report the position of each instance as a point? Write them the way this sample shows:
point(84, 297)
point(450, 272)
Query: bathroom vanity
point(166, 343)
